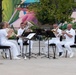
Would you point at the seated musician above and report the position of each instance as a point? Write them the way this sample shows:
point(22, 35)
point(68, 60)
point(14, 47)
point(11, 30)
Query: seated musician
point(54, 40)
point(4, 35)
point(69, 35)
point(23, 28)
point(19, 34)
point(13, 34)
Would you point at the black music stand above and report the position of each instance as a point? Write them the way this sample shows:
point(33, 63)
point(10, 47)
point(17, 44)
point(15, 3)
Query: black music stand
point(24, 34)
point(28, 36)
point(49, 34)
point(39, 33)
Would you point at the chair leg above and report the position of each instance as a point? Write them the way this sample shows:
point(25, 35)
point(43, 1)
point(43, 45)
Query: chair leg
point(3, 54)
point(54, 51)
point(10, 54)
point(25, 52)
point(66, 54)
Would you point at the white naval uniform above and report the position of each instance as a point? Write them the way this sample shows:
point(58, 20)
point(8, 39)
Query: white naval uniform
point(53, 40)
point(67, 42)
point(16, 43)
point(5, 41)
point(20, 41)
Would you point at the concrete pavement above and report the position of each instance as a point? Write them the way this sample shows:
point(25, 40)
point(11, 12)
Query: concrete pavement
point(39, 66)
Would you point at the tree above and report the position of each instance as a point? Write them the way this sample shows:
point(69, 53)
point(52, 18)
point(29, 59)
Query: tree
point(51, 11)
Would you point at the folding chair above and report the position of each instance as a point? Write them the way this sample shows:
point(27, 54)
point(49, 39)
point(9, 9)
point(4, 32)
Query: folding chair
point(4, 48)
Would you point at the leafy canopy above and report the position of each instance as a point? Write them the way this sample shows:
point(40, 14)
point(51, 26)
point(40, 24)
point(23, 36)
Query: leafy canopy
point(51, 11)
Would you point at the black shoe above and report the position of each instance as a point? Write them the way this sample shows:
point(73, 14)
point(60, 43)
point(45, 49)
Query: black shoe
point(60, 53)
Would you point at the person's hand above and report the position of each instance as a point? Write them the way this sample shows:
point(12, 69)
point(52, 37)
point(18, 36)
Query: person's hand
point(10, 31)
point(63, 32)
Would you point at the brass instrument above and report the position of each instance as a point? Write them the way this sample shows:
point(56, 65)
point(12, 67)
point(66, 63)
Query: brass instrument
point(12, 34)
point(55, 30)
point(28, 26)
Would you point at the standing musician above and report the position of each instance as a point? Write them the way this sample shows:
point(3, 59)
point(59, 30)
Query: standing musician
point(57, 33)
point(69, 35)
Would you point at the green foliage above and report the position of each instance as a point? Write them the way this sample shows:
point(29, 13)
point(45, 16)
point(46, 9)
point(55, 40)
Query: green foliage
point(51, 11)
point(34, 26)
point(65, 26)
point(74, 25)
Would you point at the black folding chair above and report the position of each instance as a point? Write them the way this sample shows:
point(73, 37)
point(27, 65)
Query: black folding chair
point(4, 48)
point(24, 44)
point(53, 45)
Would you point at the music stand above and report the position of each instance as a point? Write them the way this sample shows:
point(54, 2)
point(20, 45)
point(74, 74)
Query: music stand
point(39, 32)
point(29, 37)
point(50, 34)
point(24, 34)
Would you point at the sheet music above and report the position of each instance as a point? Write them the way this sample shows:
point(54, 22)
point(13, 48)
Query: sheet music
point(30, 35)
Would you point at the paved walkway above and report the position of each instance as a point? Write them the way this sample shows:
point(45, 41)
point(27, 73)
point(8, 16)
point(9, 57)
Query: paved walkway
point(38, 66)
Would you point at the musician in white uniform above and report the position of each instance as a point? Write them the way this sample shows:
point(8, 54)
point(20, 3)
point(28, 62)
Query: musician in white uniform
point(19, 33)
point(4, 35)
point(56, 39)
point(23, 28)
point(12, 34)
point(69, 35)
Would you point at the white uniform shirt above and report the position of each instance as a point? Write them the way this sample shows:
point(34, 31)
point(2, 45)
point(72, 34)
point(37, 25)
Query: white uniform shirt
point(20, 31)
point(72, 32)
point(3, 36)
point(57, 37)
